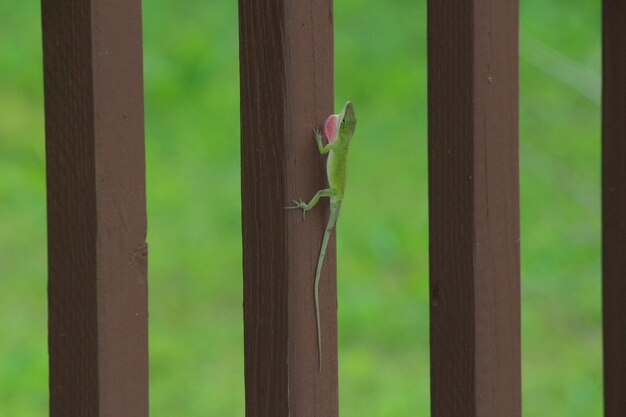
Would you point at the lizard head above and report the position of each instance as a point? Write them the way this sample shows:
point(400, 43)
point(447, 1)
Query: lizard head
point(341, 125)
point(347, 121)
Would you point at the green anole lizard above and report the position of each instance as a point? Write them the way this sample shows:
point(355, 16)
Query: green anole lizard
point(339, 129)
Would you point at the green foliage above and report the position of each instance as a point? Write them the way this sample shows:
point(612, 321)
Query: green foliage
point(192, 137)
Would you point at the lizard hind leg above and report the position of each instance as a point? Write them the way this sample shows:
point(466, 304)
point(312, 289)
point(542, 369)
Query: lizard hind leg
point(299, 204)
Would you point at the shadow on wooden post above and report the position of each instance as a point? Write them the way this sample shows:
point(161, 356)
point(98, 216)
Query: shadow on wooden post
point(286, 57)
point(474, 208)
point(97, 292)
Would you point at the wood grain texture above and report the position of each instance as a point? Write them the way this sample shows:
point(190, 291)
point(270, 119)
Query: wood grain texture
point(614, 206)
point(286, 59)
point(97, 287)
point(474, 208)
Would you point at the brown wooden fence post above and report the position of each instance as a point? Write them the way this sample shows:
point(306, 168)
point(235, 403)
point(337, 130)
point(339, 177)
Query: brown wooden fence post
point(614, 206)
point(96, 208)
point(474, 208)
point(286, 56)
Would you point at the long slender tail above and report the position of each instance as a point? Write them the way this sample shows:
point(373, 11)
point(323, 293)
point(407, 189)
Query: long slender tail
point(332, 220)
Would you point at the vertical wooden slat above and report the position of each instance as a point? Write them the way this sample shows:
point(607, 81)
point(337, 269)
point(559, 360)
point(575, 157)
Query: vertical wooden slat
point(614, 206)
point(474, 208)
point(286, 57)
point(96, 208)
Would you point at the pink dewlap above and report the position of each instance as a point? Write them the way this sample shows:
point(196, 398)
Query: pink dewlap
point(330, 128)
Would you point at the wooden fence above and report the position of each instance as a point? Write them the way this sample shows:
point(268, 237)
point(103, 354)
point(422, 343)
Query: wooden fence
point(97, 219)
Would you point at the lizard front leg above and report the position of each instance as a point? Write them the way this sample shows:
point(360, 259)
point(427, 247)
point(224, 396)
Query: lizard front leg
point(320, 146)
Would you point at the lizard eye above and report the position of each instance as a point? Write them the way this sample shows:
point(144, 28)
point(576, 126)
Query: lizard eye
point(343, 121)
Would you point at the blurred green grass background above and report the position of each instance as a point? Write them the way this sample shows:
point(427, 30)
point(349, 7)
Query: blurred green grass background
point(192, 138)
